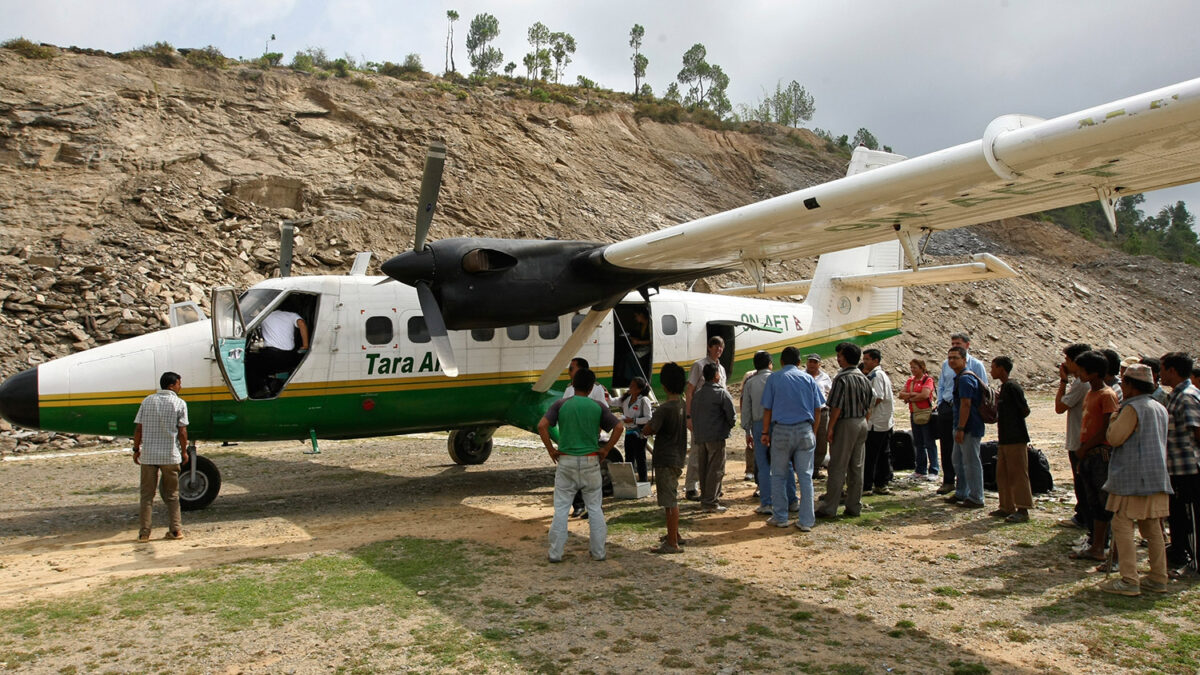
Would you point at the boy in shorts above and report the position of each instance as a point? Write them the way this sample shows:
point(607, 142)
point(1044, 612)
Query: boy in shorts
point(669, 423)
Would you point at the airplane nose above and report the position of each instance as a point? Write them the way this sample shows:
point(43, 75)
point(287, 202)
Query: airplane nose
point(19, 399)
point(410, 267)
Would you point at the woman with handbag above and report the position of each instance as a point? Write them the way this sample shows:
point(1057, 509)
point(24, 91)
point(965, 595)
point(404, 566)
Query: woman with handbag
point(918, 393)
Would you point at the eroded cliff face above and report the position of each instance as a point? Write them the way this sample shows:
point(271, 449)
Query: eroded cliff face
point(128, 186)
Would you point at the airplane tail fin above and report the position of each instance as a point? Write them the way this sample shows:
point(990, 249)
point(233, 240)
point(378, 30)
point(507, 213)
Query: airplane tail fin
point(858, 313)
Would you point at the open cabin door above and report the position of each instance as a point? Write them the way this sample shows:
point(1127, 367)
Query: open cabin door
point(229, 340)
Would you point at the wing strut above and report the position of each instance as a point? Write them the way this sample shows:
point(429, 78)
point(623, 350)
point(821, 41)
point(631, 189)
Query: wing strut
point(1105, 195)
point(570, 349)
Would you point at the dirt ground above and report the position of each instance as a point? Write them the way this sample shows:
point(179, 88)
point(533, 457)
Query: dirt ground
point(912, 586)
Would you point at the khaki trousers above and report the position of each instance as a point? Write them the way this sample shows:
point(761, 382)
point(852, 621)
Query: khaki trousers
point(846, 466)
point(1151, 528)
point(1012, 477)
point(711, 455)
point(168, 488)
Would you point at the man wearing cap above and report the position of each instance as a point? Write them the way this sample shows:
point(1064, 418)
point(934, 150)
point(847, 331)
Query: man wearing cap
point(790, 403)
point(1137, 484)
point(824, 383)
point(1183, 458)
point(947, 407)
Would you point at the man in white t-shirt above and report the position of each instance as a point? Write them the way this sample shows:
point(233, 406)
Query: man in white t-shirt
point(279, 353)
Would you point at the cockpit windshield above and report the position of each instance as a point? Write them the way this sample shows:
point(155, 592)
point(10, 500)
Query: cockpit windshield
point(254, 301)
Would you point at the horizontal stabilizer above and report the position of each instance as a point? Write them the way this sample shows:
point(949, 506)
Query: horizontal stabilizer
point(985, 266)
point(776, 290)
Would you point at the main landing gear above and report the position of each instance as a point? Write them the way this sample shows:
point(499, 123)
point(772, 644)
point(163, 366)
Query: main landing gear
point(470, 446)
point(199, 481)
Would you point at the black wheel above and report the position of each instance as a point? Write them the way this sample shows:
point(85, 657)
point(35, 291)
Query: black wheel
point(470, 446)
point(200, 492)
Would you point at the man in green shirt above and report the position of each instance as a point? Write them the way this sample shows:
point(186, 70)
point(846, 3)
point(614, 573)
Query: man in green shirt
point(579, 420)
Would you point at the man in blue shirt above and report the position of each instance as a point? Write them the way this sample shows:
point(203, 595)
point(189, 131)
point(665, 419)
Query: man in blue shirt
point(791, 401)
point(947, 408)
point(968, 432)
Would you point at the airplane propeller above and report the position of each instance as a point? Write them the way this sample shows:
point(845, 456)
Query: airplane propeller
point(418, 269)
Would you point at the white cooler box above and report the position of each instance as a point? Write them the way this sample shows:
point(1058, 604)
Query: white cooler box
point(625, 484)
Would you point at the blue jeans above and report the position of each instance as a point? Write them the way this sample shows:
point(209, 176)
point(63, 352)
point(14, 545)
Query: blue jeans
point(792, 444)
point(924, 447)
point(762, 467)
point(968, 469)
point(574, 474)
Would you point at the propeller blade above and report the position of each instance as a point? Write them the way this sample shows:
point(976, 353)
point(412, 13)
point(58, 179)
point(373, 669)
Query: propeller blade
point(288, 232)
point(437, 328)
point(431, 183)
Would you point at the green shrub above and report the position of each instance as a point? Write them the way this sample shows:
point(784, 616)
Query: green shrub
point(208, 57)
point(665, 112)
point(161, 53)
point(302, 62)
point(30, 50)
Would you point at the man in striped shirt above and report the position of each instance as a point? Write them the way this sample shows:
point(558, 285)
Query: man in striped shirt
point(160, 446)
point(849, 399)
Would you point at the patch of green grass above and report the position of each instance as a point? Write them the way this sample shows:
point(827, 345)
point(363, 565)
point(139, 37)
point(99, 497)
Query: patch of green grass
point(1018, 635)
point(638, 520)
point(964, 668)
point(674, 661)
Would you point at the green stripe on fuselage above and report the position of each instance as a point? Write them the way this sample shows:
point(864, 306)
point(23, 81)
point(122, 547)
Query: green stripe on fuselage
point(366, 414)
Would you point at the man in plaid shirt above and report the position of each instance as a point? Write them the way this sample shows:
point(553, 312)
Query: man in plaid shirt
point(1183, 457)
point(161, 432)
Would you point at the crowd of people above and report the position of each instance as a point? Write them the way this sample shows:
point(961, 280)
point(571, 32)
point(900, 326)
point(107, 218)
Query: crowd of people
point(1133, 447)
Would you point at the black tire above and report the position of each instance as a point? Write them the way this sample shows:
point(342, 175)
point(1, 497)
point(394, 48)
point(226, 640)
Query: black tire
point(207, 485)
point(465, 449)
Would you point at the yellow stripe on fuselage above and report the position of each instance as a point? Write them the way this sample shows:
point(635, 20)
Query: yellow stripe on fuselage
point(873, 324)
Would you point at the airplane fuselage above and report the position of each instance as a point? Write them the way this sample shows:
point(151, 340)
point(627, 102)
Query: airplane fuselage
point(372, 371)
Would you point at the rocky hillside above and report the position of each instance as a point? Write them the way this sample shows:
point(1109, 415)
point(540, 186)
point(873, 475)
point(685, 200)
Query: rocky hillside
point(128, 185)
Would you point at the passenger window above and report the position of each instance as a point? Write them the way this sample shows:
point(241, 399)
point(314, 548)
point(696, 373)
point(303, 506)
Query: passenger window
point(669, 324)
point(379, 330)
point(548, 331)
point(517, 332)
point(418, 332)
point(483, 334)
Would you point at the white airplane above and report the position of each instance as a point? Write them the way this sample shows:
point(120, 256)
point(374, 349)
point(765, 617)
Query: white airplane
point(479, 331)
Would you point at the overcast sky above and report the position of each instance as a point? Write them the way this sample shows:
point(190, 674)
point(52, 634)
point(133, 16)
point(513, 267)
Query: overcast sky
point(920, 74)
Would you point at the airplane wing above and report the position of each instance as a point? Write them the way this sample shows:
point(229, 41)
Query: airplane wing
point(1021, 165)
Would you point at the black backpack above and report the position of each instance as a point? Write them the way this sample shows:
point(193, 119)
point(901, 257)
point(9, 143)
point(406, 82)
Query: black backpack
point(904, 458)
